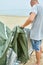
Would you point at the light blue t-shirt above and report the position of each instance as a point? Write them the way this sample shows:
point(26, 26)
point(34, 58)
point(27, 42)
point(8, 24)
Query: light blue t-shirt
point(36, 32)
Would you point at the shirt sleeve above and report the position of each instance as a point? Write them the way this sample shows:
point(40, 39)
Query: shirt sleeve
point(34, 9)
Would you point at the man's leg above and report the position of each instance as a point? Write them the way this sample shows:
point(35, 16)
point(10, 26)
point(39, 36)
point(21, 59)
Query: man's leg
point(38, 55)
point(41, 50)
point(36, 44)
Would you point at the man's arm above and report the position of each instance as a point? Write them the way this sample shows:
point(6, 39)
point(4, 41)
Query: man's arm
point(29, 20)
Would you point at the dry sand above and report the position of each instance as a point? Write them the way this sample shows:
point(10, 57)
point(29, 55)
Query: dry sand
point(12, 21)
point(33, 60)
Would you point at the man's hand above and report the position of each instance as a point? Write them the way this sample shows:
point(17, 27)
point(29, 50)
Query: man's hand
point(22, 26)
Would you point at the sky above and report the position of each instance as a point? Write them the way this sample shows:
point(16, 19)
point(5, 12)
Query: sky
point(15, 7)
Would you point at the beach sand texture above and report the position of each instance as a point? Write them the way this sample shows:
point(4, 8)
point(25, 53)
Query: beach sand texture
point(12, 21)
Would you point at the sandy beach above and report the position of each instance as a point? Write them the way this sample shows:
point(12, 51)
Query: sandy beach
point(33, 60)
point(12, 21)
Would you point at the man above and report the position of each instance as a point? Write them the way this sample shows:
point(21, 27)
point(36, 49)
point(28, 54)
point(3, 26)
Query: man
point(36, 33)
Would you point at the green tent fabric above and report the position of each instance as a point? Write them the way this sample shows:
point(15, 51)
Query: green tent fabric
point(15, 39)
point(4, 43)
point(20, 44)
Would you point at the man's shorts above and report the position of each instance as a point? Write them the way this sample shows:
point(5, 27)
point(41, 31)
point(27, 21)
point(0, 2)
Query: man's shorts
point(36, 44)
